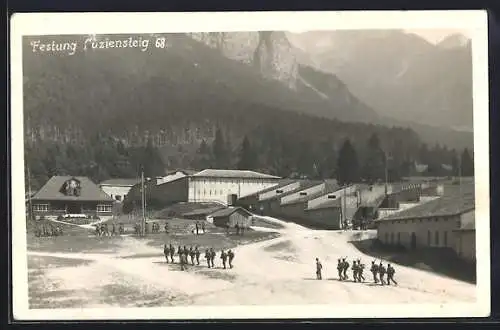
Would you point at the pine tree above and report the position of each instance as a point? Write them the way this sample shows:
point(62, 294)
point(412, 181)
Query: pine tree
point(247, 158)
point(348, 167)
point(467, 163)
point(219, 149)
point(374, 164)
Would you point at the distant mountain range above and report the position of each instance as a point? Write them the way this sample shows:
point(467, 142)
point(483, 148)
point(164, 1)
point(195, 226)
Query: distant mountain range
point(400, 75)
point(201, 75)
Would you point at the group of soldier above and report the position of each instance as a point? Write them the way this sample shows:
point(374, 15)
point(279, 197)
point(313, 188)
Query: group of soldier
point(194, 255)
point(103, 229)
point(378, 271)
point(48, 230)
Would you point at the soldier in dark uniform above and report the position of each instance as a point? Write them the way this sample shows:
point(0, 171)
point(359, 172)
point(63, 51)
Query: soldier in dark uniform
point(197, 255)
point(355, 271)
point(361, 268)
point(179, 252)
point(182, 260)
point(374, 270)
point(53, 231)
point(186, 252)
point(208, 257)
point(237, 226)
point(242, 229)
point(60, 230)
point(166, 251)
point(203, 227)
point(223, 256)
point(230, 255)
point(172, 252)
point(345, 267)
point(212, 257)
point(166, 227)
point(38, 232)
point(340, 268)
point(192, 254)
point(390, 275)
point(197, 227)
point(381, 271)
point(113, 229)
point(121, 229)
point(319, 267)
point(97, 230)
point(146, 228)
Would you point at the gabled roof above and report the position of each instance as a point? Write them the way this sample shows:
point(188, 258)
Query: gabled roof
point(203, 211)
point(305, 198)
point(235, 174)
point(120, 182)
point(456, 200)
point(89, 190)
point(228, 211)
point(282, 183)
point(187, 172)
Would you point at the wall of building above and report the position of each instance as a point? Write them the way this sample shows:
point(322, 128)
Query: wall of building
point(294, 211)
point(284, 190)
point(53, 209)
point(168, 193)
point(118, 193)
point(217, 189)
point(429, 232)
point(329, 217)
point(235, 218)
point(465, 244)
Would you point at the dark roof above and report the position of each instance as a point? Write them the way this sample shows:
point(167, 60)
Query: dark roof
point(89, 190)
point(120, 182)
point(282, 183)
point(305, 198)
point(228, 211)
point(213, 173)
point(456, 200)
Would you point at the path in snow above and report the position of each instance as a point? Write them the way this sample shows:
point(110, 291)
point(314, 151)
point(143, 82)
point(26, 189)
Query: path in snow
point(276, 271)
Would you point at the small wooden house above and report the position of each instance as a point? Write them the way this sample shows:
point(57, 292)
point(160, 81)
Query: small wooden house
point(232, 216)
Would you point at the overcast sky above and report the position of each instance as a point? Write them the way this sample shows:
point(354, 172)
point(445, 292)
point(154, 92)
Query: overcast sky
point(435, 36)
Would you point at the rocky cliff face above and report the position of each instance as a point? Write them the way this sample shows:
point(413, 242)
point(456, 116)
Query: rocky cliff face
point(269, 52)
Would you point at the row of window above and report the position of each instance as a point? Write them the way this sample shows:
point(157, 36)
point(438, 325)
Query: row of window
point(234, 181)
point(436, 219)
point(432, 239)
point(213, 192)
point(45, 208)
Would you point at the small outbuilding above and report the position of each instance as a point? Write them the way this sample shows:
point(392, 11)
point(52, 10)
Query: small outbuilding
point(232, 216)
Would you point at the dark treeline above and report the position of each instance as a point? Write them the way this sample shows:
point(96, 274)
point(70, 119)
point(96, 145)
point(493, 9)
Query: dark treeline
point(272, 153)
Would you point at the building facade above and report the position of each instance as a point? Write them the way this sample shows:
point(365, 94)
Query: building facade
point(231, 217)
point(117, 189)
point(434, 224)
point(67, 196)
point(217, 185)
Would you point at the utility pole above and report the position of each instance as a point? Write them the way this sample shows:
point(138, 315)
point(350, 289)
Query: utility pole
point(385, 171)
point(29, 195)
point(344, 216)
point(143, 231)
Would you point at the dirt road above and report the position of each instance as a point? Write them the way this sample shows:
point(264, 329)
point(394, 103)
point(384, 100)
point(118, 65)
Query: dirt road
point(278, 271)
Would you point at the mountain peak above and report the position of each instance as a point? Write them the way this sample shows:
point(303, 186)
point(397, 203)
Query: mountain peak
point(456, 40)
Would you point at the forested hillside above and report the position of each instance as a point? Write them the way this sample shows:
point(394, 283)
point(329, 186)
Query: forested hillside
point(107, 113)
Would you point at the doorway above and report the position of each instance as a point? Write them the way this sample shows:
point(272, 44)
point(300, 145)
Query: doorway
point(413, 241)
point(74, 208)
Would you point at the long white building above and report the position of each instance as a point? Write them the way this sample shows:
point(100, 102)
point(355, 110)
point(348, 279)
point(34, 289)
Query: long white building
point(212, 185)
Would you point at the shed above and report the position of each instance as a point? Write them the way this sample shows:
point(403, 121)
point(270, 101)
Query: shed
point(232, 216)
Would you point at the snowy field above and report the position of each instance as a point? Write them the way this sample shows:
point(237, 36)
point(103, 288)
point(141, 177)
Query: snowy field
point(279, 271)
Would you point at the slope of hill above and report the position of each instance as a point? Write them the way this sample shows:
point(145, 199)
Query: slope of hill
point(400, 74)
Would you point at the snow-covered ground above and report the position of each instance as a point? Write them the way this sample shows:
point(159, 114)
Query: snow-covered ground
point(279, 271)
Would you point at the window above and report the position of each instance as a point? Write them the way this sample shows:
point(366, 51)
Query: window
point(279, 191)
point(445, 239)
point(303, 193)
point(41, 207)
point(103, 208)
point(429, 238)
point(118, 197)
point(436, 238)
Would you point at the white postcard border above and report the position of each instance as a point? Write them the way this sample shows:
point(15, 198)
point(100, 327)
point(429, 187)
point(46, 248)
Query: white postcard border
point(475, 22)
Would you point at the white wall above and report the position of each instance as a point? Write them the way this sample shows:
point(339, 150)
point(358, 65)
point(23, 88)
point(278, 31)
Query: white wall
point(338, 194)
point(218, 189)
point(285, 189)
point(113, 191)
point(297, 195)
